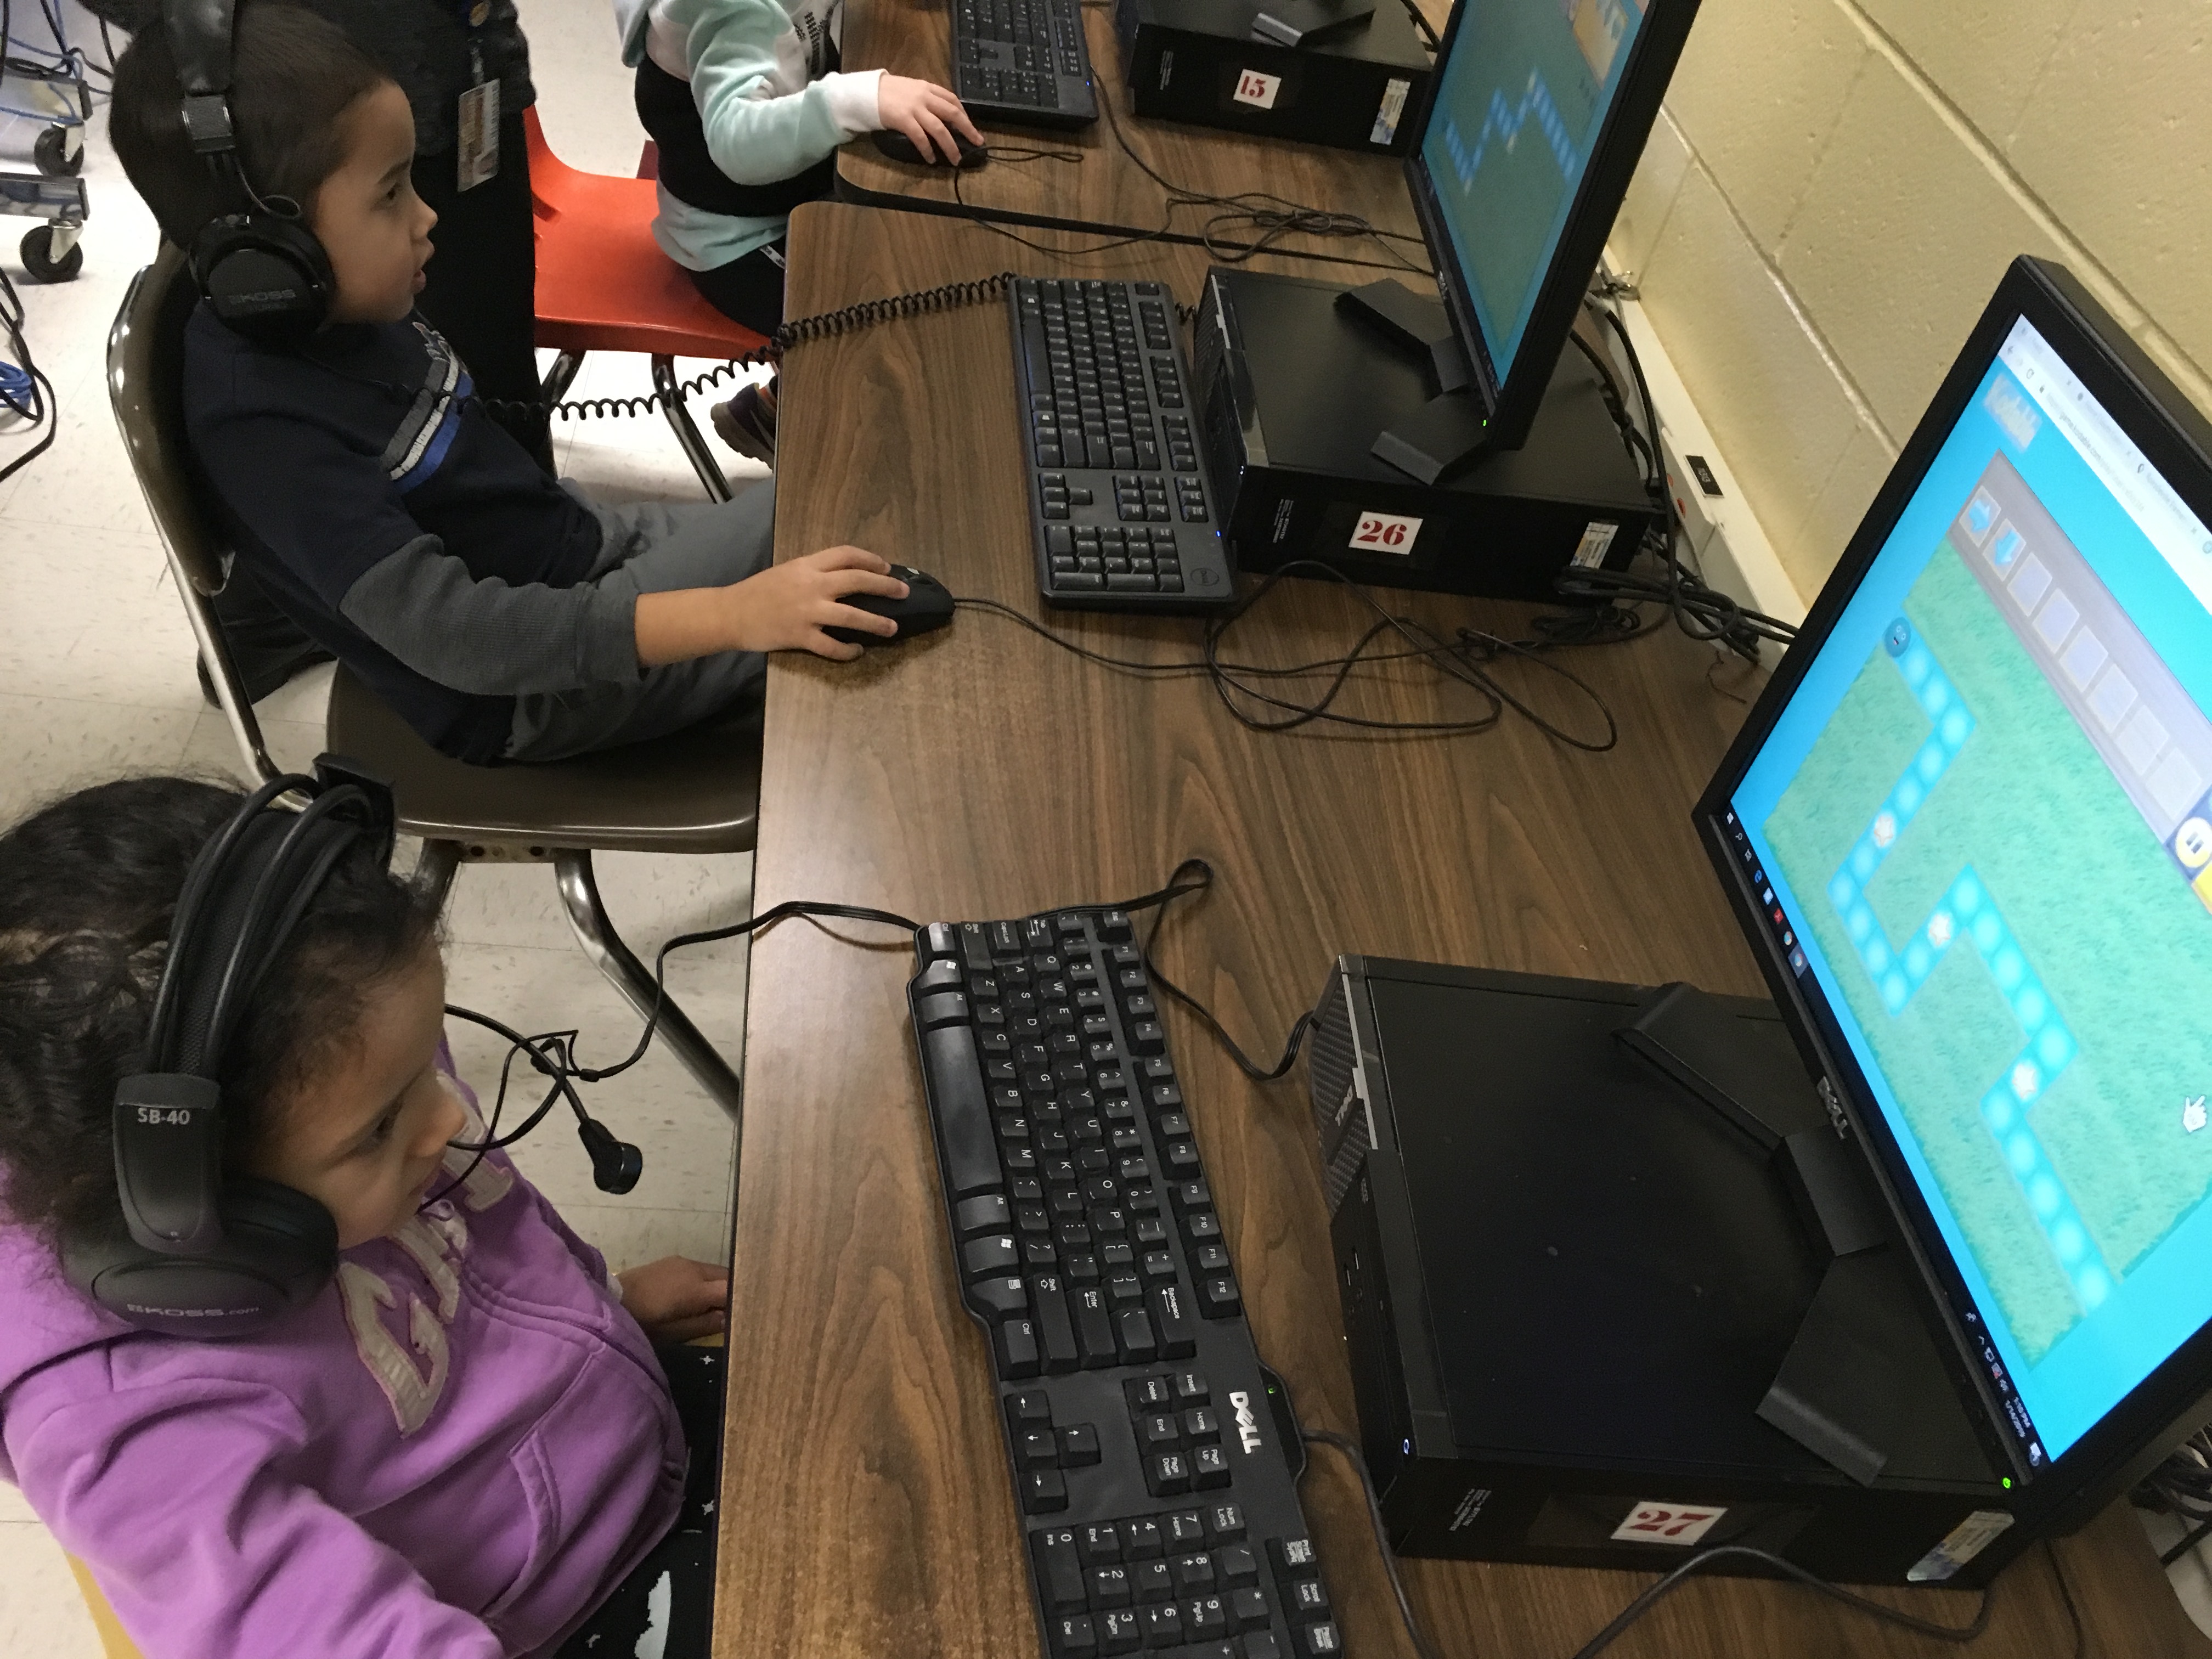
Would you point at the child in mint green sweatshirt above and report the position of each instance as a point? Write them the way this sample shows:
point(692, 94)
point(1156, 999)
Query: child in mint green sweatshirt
point(747, 104)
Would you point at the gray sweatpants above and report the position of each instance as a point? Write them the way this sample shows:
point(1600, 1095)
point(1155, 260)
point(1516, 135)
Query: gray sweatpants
point(665, 546)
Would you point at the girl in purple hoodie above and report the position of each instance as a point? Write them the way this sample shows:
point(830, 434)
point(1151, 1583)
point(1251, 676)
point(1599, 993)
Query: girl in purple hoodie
point(464, 1445)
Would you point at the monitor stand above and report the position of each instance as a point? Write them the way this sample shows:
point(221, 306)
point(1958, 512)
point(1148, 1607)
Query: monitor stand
point(1443, 437)
point(1835, 1393)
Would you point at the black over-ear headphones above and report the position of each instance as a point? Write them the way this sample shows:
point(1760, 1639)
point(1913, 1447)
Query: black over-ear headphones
point(261, 268)
point(210, 1254)
point(216, 1255)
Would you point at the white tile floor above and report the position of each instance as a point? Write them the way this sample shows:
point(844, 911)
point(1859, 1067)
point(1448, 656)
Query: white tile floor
point(96, 678)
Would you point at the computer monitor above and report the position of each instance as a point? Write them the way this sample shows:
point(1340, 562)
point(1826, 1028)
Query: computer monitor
point(1967, 827)
point(1537, 113)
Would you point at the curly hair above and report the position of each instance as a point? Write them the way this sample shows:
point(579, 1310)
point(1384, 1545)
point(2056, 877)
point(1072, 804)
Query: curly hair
point(89, 888)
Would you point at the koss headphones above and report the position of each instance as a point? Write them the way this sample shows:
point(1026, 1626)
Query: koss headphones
point(260, 268)
point(209, 1254)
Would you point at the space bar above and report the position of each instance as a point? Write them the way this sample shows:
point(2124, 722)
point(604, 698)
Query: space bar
point(969, 1150)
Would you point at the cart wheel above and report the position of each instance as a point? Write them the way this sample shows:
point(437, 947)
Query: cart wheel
point(54, 155)
point(39, 262)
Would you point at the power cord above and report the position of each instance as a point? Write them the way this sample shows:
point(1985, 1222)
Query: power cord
point(1701, 611)
point(1959, 1635)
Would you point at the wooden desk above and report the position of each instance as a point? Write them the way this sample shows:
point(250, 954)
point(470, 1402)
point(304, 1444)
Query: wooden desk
point(1105, 191)
point(982, 773)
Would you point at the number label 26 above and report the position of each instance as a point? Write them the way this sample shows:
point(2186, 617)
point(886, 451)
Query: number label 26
point(1384, 532)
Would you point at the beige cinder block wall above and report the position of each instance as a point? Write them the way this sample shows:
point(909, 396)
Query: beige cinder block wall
point(1836, 186)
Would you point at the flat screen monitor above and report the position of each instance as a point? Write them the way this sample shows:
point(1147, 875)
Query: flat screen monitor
point(1537, 113)
point(1969, 824)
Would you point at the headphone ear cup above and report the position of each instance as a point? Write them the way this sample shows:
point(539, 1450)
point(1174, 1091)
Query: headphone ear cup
point(265, 275)
point(286, 1234)
point(279, 1248)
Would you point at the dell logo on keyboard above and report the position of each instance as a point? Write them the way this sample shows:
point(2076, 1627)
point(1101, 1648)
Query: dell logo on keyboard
point(1247, 1426)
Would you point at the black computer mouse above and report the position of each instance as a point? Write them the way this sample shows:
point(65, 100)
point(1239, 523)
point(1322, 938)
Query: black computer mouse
point(900, 148)
point(926, 607)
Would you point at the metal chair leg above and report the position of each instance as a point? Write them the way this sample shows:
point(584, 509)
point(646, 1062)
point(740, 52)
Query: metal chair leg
point(579, 896)
point(433, 870)
point(687, 431)
point(560, 376)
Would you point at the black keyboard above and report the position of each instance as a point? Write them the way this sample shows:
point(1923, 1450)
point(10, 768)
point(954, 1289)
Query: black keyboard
point(1123, 518)
point(1155, 1459)
point(1023, 61)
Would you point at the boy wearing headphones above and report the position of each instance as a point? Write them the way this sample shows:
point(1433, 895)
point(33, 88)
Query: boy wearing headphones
point(363, 486)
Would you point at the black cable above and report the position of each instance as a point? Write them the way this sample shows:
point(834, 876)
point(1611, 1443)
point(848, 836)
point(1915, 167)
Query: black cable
point(823, 326)
point(1176, 888)
point(1702, 612)
point(1351, 1454)
point(1423, 27)
point(1466, 658)
point(706, 936)
point(32, 398)
point(1957, 1634)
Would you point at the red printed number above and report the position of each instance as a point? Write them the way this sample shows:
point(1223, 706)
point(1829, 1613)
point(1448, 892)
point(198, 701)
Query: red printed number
point(1252, 86)
point(1376, 532)
point(1669, 1523)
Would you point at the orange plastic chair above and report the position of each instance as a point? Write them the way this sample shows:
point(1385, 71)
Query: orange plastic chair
point(605, 285)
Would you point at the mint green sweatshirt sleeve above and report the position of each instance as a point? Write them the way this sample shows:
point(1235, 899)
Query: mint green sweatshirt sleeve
point(756, 134)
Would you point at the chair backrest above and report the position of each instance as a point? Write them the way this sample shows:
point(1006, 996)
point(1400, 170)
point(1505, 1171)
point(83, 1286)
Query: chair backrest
point(145, 386)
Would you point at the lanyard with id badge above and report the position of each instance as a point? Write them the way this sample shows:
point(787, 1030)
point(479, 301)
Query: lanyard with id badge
point(478, 128)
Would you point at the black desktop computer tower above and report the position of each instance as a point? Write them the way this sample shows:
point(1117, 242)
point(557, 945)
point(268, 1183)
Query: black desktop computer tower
point(1353, 88)
point(1574, 1291)
point(1293, 388)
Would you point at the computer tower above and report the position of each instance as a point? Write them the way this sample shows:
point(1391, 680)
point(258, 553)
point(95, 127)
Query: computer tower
point(1293, 387)
point(1568, 1287)
point(1350, 88)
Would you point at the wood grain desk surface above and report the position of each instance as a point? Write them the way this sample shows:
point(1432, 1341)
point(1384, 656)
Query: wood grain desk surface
point(981, 773)
point(1106, 192)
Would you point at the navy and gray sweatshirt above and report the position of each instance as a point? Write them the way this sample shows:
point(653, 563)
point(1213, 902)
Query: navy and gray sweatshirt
point(374, 500)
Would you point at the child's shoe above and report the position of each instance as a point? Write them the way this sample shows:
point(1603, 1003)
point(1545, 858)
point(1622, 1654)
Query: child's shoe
point(747, 424)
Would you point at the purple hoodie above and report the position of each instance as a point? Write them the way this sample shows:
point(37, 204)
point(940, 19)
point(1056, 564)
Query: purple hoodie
point(457, 1448)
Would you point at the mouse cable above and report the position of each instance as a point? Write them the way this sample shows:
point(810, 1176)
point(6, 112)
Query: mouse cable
point(1959, 1635)
point(1467, 658)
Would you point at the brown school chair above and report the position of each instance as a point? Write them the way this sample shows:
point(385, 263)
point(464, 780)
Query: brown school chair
point(694, 791)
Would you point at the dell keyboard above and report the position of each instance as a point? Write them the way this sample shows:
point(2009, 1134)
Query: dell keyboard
point(1155, 1459)
point(1122, 515)
point(1023, 62)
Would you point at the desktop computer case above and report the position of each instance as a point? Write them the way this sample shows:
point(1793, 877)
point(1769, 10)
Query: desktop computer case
point(1358, 87)
point(1292, 390)
point(1562, 1301)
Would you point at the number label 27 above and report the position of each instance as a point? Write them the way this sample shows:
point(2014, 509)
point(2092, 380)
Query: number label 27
point(1668, 1524)
point(1384, 532)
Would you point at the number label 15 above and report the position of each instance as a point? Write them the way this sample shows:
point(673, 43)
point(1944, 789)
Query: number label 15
point(1257, 90)
point(1384, 532)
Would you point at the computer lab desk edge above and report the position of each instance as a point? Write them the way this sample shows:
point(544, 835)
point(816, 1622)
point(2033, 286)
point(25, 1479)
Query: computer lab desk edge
point(979, 772)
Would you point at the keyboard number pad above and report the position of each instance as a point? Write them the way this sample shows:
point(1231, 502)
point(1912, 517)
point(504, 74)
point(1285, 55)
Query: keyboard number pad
point(1190, 1578)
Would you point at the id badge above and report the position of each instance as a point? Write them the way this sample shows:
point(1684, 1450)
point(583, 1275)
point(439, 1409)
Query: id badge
point(478, 129)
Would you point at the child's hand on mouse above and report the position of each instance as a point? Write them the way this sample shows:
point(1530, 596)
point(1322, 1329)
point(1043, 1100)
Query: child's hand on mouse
point(676, 1298)
point(786, 608)
point(923, 111)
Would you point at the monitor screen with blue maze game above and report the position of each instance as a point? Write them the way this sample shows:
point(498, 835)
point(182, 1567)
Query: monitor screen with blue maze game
point(1981, 830)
